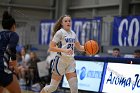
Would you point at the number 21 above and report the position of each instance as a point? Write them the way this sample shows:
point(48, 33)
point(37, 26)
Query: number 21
point(70, 46)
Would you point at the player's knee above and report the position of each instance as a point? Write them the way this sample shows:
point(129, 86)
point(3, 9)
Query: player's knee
point(50, 88)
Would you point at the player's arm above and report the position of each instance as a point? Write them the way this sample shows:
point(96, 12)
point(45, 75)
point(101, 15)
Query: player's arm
point(53, 44)
point(12, 48)
point(79, 47)
point(53, 47)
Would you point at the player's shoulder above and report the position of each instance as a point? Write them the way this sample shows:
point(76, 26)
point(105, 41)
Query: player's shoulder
point(60, 31)
point(14, 33)
point(8, 33)
point(73, 32)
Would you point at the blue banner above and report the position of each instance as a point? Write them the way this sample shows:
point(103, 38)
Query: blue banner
point(126, 31)
point(85, 29)
point(45, 33)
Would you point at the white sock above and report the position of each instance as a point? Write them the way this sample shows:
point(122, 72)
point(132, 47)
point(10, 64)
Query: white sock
point(52, 87)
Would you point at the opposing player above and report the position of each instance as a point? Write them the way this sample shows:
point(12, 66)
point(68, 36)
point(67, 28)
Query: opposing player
point(8, 43)
point(63, 42)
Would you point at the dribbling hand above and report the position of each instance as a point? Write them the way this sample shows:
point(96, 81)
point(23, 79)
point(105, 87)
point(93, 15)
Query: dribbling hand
point(69, 51)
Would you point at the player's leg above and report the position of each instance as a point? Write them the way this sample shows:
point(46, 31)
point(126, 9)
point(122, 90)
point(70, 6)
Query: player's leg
point(73, 82)
point(14, 86)
point(53, 85)
point(57, 72)
point(72, 77)
point(1, 89)
point(8, 80)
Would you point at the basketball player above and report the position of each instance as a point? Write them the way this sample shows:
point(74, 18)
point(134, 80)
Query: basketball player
point(66, 40)
point(8, 43)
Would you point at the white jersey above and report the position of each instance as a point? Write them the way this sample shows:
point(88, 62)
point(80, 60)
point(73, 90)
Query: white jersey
point(67, 39)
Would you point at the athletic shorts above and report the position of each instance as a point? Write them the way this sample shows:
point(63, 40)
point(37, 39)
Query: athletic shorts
point(6, 76)
point(63, 65)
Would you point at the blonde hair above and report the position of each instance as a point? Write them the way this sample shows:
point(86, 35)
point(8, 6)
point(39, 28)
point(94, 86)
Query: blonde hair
point(58, 25)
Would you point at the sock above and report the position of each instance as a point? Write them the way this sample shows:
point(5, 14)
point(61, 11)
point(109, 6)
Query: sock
point(52, 87)
point(73, 83)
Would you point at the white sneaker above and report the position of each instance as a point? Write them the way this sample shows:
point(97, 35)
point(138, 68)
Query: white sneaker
point(36, 87)
point(22, 82)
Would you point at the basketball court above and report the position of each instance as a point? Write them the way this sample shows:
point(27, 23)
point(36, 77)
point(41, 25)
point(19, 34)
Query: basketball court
point(23, 91)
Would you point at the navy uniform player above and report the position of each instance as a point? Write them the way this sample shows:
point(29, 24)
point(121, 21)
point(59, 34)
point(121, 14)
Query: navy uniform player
point(8, 43)
point(64, 61)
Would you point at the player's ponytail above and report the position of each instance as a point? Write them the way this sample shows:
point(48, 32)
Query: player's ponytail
point(7, 21)
point(58, 25)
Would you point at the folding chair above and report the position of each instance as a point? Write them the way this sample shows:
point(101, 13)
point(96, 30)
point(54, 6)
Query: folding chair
point(43, 73)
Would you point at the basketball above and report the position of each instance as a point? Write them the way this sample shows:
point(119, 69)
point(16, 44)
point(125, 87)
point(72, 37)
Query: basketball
point(91, 47)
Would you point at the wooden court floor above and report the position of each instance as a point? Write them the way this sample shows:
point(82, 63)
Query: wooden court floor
point(23, 91)
point(26, 91)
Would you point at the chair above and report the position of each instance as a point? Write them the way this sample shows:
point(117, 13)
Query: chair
point(43, 73)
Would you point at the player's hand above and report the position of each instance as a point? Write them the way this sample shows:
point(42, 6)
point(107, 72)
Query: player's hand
point(16, 70)
point(13, 66)
point(13, 63)
point(69, 51)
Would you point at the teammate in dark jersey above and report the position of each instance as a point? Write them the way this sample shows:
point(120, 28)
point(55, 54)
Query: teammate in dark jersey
point(8, 43)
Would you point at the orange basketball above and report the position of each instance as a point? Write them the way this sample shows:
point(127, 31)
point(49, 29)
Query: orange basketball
point(91, 47)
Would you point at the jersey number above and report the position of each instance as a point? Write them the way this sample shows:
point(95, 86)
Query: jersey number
point(70, 46)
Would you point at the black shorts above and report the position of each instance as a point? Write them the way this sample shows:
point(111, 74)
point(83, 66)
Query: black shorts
point(6, 76)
